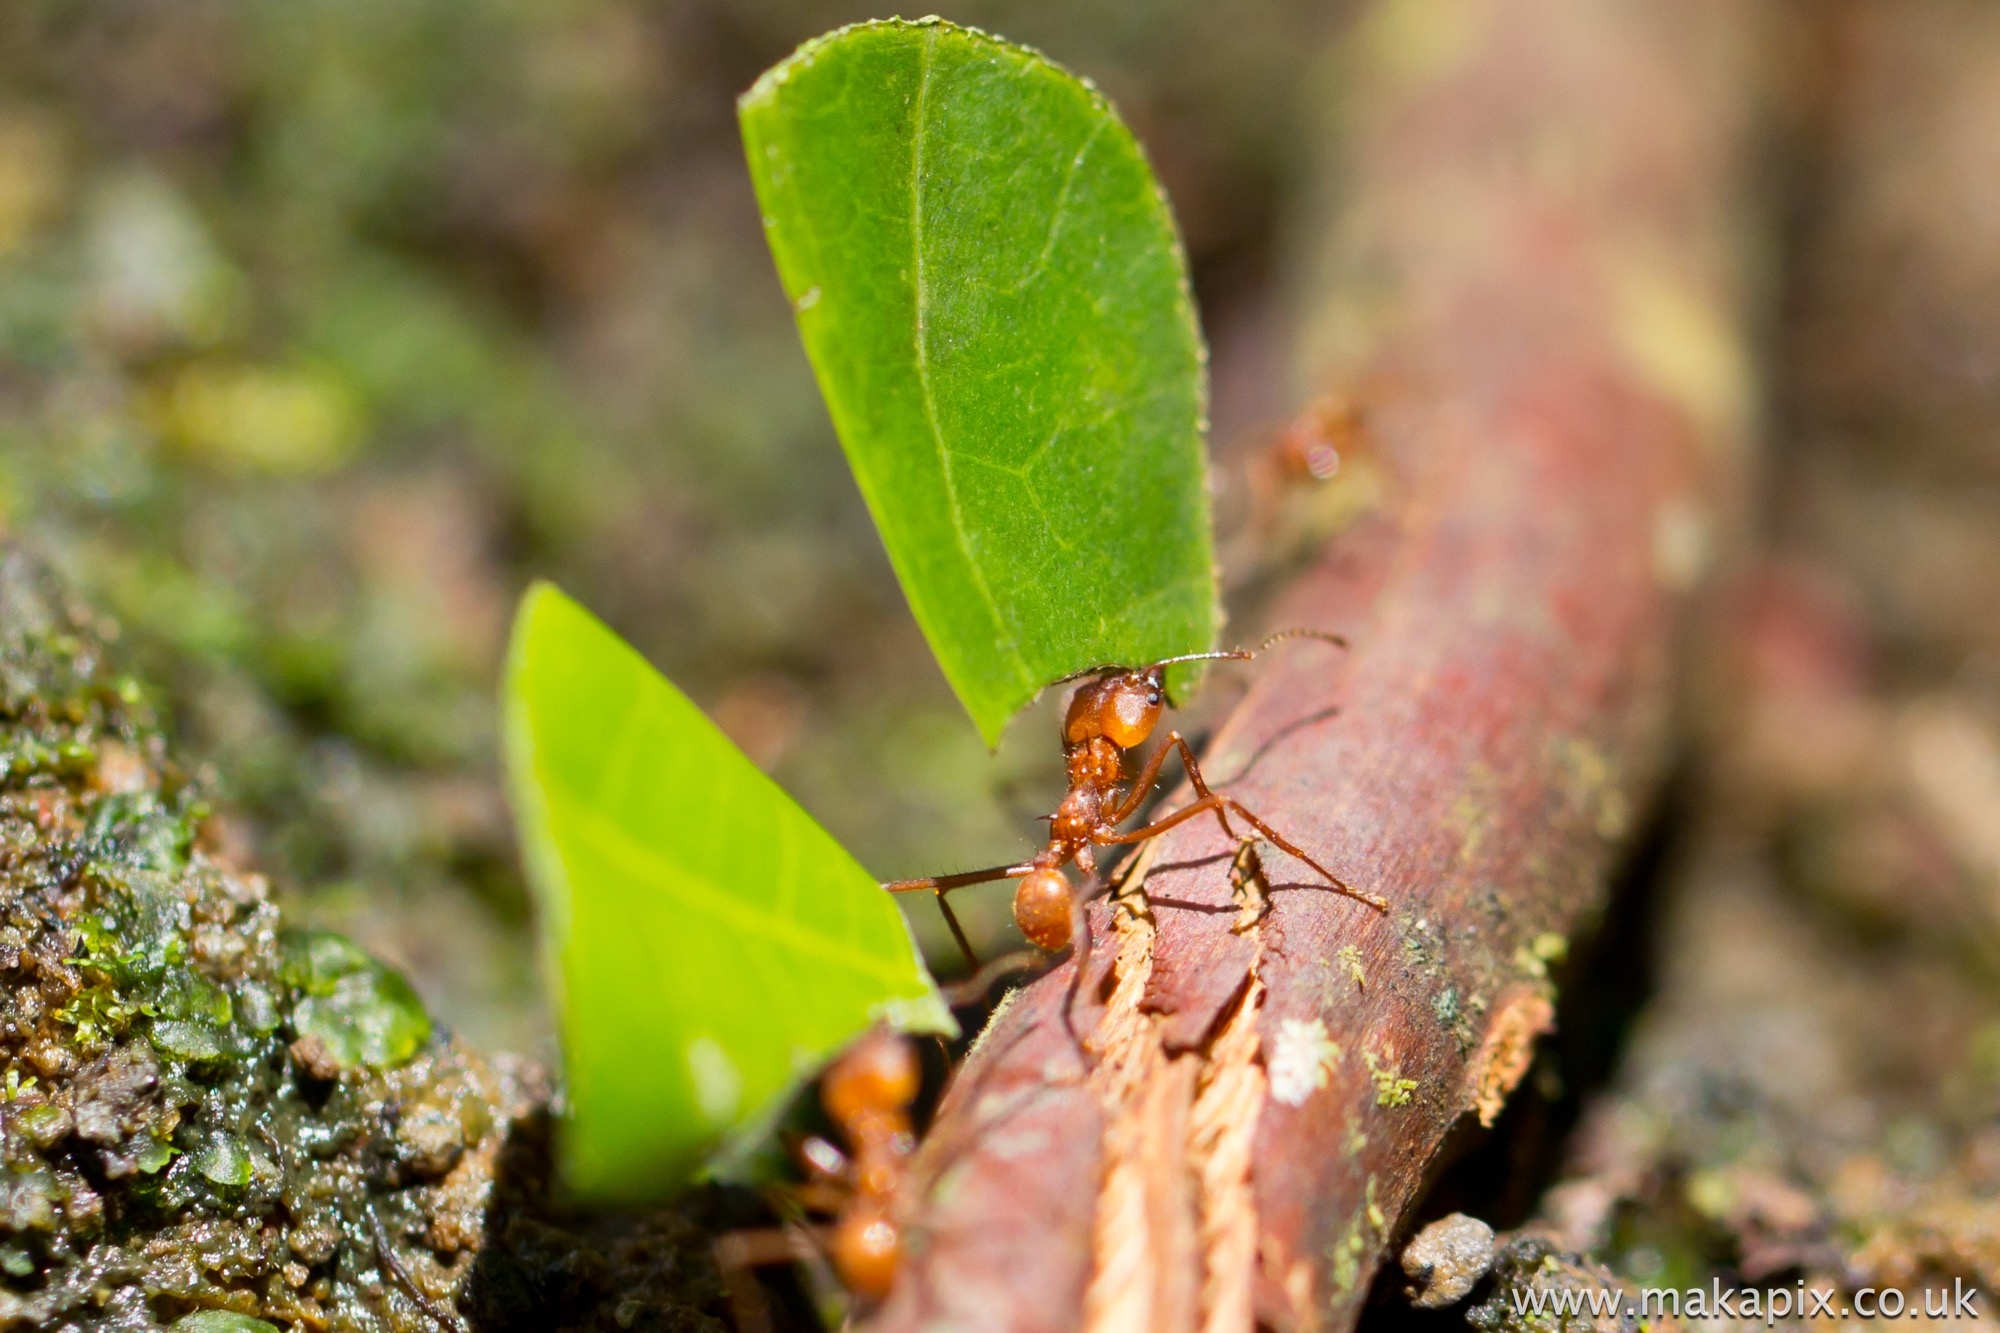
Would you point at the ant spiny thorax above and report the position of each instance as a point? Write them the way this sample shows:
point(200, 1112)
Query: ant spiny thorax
point(1094, 763)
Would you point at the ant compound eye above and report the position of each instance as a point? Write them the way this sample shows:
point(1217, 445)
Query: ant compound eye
point(879, 1073)
point(1041, 909)
point(867, 1250)
point(1153, 698)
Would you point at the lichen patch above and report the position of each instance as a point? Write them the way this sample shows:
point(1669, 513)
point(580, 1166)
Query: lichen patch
point(1302, 1059)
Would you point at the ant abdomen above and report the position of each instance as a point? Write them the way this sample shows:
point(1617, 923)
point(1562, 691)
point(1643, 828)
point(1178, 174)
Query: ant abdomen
point(1042, 908)
point(867, 1250)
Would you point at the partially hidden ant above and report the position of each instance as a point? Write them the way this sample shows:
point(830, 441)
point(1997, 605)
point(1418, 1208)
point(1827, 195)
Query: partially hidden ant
point(1112, 713)
point(868, 1092)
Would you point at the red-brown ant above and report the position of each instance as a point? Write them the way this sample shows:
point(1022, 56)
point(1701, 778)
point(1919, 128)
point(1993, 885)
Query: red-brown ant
point(1110, 715)
point(868, 1093)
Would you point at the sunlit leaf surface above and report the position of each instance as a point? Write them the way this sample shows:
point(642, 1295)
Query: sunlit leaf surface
point(708, 941)
point(991, 290)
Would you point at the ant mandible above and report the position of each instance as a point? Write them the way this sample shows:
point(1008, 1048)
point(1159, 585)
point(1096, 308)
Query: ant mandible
point(1110, 715)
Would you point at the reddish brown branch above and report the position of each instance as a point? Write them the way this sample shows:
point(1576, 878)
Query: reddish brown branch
point(1532, 299)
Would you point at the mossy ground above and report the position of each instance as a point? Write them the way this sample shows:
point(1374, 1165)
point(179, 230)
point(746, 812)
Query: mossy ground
point(204, 1112)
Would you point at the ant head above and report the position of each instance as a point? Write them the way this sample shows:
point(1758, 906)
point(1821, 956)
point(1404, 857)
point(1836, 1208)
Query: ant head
point(1121, 706)
point(878, 1073)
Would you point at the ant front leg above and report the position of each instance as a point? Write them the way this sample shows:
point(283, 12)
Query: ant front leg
point(1337, 884)
point(1079, 936)
point(943, 884)
point(1222, 807)
point(1142, 785)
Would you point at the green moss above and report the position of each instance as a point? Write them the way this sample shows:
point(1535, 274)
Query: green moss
point(212, 1125)
point(1391, 1088)
point(221, 1321)
point(360, 1013)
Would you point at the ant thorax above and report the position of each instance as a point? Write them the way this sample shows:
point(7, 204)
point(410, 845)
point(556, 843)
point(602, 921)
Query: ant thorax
point(1094, 763)
point(1080, 814)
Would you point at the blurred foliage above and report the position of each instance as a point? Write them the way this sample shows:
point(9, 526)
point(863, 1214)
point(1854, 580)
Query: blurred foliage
point(323, 326)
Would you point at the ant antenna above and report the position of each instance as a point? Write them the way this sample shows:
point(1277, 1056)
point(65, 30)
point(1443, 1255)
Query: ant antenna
point(1231, 655)
point(1245, 654)
point(1299, 632)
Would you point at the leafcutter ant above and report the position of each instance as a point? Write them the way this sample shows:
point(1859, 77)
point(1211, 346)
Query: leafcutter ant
point(868, 1092)
point(1112, 713)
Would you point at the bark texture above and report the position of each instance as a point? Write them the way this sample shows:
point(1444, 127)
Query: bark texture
point(1529, 289)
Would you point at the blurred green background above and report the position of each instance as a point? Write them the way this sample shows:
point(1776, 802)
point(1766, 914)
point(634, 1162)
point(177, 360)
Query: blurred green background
point(326, 324)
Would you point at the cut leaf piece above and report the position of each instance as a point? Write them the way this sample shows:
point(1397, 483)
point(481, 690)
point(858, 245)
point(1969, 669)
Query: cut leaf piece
point(992, 293)
point(358, 1013)
point(709, 944)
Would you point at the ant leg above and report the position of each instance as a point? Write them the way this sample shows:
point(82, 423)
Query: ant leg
point(1219, 806)
point(943, 884)
point(958, 933)
point(1079, 948)
point(1142, 785)
point(1223, 805)
point(1205, 800)
point(973, 989)
point(738, 1255)
point(1334, 881)
point(1210, 803)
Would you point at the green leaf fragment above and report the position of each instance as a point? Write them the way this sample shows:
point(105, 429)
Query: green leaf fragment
point(221, 1321)
point(708, 942)
point(257, 1008)
point(361, 1012)
point(154, 1154)
point(45, 1124)
point(188, 1041)
point(991, 291)
point(223, 1159)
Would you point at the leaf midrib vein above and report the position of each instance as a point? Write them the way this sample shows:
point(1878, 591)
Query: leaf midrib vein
point(952, 506)
point(628, 854)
